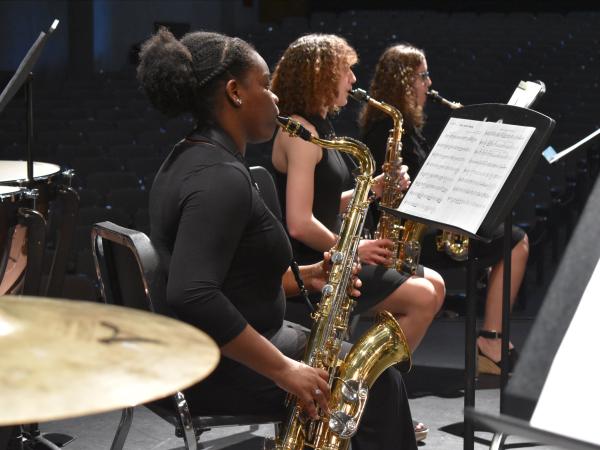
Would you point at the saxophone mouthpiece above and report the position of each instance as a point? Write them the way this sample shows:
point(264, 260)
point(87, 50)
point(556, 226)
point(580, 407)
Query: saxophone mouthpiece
point(436, 97)
point(359, 95)
point(293, 128)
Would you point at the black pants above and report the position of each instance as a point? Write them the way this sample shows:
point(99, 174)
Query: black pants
point(234, 389)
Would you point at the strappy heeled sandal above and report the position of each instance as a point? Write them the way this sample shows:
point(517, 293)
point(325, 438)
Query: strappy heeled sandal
point(487, 365)
point(421, 430)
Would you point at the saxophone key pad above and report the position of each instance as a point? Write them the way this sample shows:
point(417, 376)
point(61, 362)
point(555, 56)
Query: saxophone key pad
point(337, 257)
point(327, 289)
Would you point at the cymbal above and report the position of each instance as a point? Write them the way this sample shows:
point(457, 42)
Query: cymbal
point(66, 358)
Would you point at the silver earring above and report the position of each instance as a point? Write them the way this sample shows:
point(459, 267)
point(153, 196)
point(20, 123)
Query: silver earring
point(238, 101)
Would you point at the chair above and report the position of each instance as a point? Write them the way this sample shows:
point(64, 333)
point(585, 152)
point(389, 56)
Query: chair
point(129, 275)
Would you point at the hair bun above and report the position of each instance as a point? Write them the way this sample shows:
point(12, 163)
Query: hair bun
point(166, 73)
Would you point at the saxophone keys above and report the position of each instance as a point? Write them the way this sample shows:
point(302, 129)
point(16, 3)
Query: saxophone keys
point(327, 289)
point(337, 257)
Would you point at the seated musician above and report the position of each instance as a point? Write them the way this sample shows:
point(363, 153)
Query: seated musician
point(312, 80)
point(225, 252)
point(402, 80)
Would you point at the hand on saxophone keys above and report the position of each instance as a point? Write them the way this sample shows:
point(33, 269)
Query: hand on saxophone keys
point(308, 384)
point(317, 275)
point(376, 251)
point(402, 180)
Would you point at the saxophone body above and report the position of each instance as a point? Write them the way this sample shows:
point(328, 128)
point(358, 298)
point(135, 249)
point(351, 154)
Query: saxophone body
point(455, 245)
point(382, 345)
point(406, 235)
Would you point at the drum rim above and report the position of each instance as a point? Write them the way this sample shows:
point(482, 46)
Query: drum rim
point(16, 192)
point(21, 181)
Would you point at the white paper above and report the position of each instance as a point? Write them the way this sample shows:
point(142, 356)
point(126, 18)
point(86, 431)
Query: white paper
point(525, 94)
point(465, 171)
point(568, 404)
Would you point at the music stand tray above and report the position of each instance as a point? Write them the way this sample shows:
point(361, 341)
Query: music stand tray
point(519, 427)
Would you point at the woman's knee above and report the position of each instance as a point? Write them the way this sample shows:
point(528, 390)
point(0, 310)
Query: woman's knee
point(521, 250)
point(438, 285)
point(423, 297)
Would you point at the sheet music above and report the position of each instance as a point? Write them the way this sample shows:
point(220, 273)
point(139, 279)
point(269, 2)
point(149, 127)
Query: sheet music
point(568, 404)
point(525, 94)
point(465, 171)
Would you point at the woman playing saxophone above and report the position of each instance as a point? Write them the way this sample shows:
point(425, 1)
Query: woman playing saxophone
point(312, 81)
point(402, 79)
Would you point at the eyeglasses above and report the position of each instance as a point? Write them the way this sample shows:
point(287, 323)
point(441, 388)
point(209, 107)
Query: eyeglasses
point(423, 75)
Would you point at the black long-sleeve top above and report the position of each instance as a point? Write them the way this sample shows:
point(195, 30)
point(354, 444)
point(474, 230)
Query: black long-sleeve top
point(224, 250)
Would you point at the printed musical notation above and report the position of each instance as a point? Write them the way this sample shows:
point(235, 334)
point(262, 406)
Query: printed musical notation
point(465, 171)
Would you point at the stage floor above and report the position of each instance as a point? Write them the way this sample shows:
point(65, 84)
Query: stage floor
point(434, 384)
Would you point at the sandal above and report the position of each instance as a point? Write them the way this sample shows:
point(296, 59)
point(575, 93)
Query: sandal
point(421, 430)
point(487, 365)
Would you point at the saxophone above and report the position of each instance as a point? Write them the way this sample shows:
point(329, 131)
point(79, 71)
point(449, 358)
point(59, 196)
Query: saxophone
point(455, 245)
point(406, 235)
point(382, 345)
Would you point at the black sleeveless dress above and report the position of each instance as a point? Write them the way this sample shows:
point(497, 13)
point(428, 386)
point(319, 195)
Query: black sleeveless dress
point(332, 177)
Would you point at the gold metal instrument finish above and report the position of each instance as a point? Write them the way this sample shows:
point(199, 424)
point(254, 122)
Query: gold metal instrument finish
point(455, 245)
point(405, 234)
point(383, 345)
point(67, 358)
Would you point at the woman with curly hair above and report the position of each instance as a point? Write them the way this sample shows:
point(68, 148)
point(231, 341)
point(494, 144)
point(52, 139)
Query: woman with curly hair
point(402, 79)
point(226, 255)
point(312, 80)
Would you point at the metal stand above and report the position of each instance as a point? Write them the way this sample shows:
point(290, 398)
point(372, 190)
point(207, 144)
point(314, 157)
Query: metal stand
point(471, 342)
point(70, 208)
point(470, 349)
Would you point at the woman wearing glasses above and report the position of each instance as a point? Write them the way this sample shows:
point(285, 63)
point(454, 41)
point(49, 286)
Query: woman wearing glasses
point(402, 79)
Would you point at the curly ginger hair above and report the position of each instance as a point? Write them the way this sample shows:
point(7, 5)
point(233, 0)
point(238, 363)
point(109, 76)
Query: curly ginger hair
point(307, 75)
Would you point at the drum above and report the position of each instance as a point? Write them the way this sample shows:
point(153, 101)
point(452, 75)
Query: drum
point(13, 238)
point(46, 178)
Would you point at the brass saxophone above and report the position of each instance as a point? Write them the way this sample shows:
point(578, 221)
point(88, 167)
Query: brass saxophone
point(383, 344)
point(455, 245)
point(406, 235)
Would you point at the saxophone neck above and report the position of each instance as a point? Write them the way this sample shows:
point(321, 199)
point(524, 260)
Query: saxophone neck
point(353, 147)
point(362, 96)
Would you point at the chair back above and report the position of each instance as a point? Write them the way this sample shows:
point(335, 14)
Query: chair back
point(267, 188)
point(128, 268)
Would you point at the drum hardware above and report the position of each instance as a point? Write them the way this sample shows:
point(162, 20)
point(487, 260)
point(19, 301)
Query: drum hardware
point(54, 190)
point(23, 242)
point(90, 358)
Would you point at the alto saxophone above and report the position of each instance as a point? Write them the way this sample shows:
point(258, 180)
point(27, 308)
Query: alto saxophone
point(455, 245)
point(406, 235)
point(383, 344)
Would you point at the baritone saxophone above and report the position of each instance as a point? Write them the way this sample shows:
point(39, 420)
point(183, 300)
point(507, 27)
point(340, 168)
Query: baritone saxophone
point(405, 234)
point(382, 346)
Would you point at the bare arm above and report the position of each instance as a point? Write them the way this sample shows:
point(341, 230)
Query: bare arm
point(256, 352)
point(302, 158)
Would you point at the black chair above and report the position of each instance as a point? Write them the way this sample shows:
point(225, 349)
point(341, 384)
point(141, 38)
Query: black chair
point(129, 275)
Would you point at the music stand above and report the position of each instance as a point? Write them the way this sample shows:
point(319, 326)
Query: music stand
point(24, 76)
point(499, 212)
point(546, 336)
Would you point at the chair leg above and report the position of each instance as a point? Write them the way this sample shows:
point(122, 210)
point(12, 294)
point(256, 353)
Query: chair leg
point(498, 441)
point(123, 429)
point(185, 420)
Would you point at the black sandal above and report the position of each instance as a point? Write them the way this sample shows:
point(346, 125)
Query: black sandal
point(488, 366)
